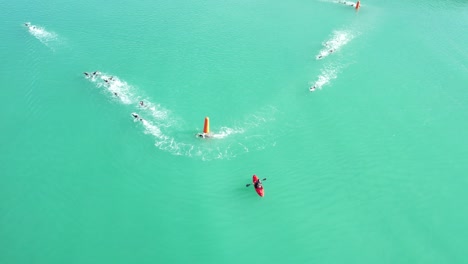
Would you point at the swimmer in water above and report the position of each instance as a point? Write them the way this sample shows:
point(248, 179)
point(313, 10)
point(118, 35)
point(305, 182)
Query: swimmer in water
point(203, 135)
point(142, 103)
point(346, 3)
point(137, 117)
point(312, 88)
point(96, 73)
point(27, 24)
point(116, 94)
point(86, 74)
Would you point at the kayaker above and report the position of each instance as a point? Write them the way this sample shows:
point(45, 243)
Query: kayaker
point(258, 184)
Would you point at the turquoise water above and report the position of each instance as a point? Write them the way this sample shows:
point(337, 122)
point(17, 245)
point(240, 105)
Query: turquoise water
point(368, 168)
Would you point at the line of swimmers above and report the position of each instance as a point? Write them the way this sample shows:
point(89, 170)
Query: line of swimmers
point(141, 103)
point(96, 73)
point(108, 80)
point(328, 43)
point(356, 5)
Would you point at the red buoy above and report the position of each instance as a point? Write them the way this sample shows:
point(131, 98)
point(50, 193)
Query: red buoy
point(358, 4)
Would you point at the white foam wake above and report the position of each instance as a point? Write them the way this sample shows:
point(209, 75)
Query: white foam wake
point(40, 33)
point(326, 75)
point(227, 131)
point(159, 122)
point(336, 42)
point(348, 3)
point(116, 87)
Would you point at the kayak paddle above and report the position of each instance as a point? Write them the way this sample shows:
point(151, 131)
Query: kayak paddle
point(247, 185)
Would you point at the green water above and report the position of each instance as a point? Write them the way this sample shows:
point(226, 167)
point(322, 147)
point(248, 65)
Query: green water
point(369, 168)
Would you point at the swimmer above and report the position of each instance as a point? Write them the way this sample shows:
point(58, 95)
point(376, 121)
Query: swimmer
point(329, 44)
point(346, 3)
point(137, 117)
point(319, 57)
point(96, 73)
point(312, 88)
point(86, 74)
point(116, 94)
point(27, 24)
point(203, 135)
point(142, 103)
point(108, 80)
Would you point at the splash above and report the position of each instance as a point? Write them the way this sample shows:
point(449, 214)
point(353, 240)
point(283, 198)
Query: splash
point(160, 122)
point(46, 37)
point(348, 3)
point(336, 42)
point(116, 87)
point(227, 131)
point(326, 75)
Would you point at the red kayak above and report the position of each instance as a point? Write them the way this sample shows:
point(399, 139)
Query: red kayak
point(260, 189)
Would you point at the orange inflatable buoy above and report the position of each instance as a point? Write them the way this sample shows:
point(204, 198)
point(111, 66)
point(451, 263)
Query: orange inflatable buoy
point(358, 4)
point(206, 127)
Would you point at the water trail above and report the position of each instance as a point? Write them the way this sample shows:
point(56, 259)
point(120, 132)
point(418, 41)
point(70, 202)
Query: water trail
point(159, 114)
point(336, 42)
point(330, 71)
point(227, 131)
point(348, 3)
point(115, 86)
point(46, 37)
point(158, 122)
point(326, 75)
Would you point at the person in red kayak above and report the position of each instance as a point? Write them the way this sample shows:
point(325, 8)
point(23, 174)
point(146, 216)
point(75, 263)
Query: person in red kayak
point(258, 184)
